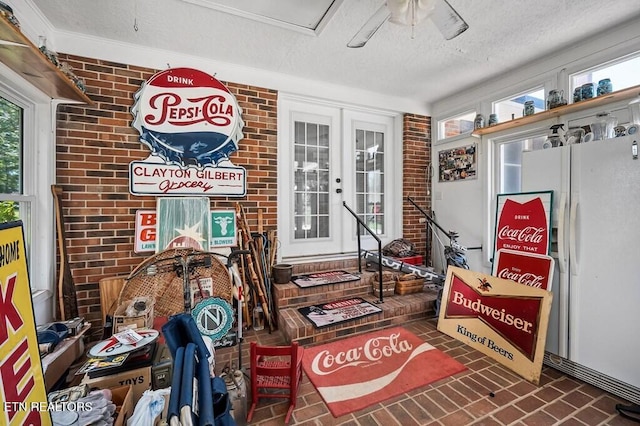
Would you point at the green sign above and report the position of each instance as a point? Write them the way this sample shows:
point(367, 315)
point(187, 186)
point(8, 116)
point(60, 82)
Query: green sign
point(224, 228)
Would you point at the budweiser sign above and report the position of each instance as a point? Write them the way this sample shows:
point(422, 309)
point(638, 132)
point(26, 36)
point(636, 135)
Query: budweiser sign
point(515, 319)
point(499, 317)
point(523, 222)
point(529, 269)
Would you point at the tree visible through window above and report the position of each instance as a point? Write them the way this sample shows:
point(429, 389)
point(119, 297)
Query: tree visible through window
point(10, 160)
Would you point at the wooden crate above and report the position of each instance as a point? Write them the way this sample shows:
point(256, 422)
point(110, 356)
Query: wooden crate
point(388, 288)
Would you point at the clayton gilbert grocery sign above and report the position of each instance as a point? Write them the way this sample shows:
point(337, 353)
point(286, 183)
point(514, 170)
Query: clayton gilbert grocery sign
point(192, 124)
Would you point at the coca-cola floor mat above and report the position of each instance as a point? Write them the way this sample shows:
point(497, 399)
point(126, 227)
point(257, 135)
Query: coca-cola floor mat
point(333, 313)
point(354, 373)
point(323, 278)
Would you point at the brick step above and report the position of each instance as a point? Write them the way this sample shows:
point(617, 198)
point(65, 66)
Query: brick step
point(291, 296)
point(396, 310)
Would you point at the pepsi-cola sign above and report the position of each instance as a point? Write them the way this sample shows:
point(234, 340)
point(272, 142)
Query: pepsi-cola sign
point(192, 124)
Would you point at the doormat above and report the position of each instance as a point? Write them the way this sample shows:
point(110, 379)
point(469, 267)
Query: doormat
point(354, 373)
point(333, 313)
point(322, 278)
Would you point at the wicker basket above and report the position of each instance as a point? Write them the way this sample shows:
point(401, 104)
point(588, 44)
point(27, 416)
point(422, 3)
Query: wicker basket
point(409, 286)
point(162, 277)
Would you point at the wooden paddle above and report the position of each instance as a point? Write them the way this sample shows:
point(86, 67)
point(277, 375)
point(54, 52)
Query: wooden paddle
point(67, 307)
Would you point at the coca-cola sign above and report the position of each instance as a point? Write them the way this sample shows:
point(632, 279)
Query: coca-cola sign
point(499, 317)
point(534, 270)
point(523, 222)
point(350, 373)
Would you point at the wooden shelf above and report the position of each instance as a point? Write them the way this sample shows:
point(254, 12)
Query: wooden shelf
point(619, 95)
point(25, 58)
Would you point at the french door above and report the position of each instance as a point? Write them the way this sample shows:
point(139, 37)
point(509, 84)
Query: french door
point(327, 156)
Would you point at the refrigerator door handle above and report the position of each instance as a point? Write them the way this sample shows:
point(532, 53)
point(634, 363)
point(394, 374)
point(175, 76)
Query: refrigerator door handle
point(561, 242)
point(572, 235)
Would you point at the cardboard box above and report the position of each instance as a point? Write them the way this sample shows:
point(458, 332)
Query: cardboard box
point(122, 397)
point(139, 379)
point(56, 363)
point(123, 322)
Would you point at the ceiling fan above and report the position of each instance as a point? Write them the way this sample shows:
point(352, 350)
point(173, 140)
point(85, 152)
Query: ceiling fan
point(411, 13)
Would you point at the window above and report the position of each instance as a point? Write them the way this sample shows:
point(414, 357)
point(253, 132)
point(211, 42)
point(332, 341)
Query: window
point(15, 201)
point(622, 72)
point(513, 106)
point(509, 162)
point(11, 160)
point(456, 126)
point(28, 171)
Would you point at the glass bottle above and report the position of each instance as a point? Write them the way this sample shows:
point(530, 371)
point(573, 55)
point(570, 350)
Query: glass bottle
point(478, 122)
point(604, 86)
point(258, 318)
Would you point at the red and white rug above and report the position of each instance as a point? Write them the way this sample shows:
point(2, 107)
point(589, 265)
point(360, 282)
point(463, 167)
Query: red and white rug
point(354, 373)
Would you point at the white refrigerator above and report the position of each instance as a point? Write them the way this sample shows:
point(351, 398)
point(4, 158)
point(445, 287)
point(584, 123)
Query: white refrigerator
point(594, 328)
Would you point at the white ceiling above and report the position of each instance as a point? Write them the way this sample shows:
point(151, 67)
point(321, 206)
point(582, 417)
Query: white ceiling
point(503, 34)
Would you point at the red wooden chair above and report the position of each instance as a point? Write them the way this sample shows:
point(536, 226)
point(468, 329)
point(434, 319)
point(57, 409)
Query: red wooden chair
point(276, 372)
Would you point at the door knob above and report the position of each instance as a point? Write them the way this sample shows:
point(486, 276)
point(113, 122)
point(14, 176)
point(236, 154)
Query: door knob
point(338, 191)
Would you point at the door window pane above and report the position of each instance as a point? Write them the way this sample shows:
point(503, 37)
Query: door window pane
point(311, 175)
point(369, 157)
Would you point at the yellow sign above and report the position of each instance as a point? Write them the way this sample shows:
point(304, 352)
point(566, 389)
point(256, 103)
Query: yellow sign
point(503, 319)
point(23, 398)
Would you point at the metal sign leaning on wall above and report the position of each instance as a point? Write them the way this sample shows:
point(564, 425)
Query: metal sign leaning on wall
point(192, 124)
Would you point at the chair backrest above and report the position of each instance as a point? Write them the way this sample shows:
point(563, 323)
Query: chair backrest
point(280, 360)
point(275, 367)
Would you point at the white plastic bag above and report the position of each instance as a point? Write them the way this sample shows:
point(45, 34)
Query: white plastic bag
point(149, 407)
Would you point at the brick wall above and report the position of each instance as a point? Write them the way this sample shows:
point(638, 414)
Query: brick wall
point(96, 143)
point(416, 153)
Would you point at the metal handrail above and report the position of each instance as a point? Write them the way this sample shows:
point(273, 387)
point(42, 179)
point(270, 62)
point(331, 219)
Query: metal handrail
point(364, 225)
point(450, 234)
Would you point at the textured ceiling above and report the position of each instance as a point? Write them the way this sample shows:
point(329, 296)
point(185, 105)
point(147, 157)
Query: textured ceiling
point(503, 35)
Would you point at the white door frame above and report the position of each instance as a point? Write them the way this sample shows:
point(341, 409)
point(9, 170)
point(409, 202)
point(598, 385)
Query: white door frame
point(342, 119)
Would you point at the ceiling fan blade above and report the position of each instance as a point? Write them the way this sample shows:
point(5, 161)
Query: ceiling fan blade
point(370, 27)
point(448, 21)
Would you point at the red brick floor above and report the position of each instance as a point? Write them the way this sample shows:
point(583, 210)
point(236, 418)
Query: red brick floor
point(463, 399)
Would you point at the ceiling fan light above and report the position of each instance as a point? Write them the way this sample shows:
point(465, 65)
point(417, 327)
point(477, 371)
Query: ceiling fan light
point(409, 12)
